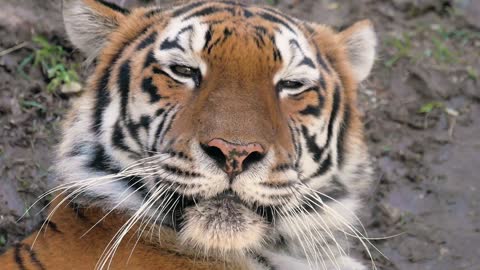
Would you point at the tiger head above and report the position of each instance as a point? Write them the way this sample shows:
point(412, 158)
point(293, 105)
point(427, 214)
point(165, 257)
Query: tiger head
point(233, 125)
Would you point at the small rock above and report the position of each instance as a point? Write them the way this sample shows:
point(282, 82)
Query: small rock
point(71, 88)
point(452, 112)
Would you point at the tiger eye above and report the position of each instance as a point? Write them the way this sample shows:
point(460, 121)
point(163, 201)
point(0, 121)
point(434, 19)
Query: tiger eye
point(290, 84)
point(183, 71)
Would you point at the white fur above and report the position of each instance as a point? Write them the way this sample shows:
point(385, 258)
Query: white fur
point(87, 30)
point(361, 47)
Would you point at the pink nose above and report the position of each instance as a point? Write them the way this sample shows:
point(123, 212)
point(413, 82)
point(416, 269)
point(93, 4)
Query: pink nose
point(232, 157)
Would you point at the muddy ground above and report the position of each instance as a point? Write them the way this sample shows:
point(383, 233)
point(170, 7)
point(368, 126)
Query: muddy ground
point(421, 108)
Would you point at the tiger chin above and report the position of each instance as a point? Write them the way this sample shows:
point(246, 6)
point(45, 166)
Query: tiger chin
point(211, 135)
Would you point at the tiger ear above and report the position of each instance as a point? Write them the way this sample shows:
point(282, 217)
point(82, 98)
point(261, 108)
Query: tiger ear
point(90, 22)
point(360, 42)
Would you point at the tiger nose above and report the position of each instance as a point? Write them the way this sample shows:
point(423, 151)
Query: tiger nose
point(234, 158)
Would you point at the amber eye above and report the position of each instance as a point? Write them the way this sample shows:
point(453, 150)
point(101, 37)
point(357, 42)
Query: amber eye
point(289, 84)
point(184, 71)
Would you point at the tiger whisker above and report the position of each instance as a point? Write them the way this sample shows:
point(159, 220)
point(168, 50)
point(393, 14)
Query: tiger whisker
point(321, 235)
point(107, 255)
point(145, 224)
point(285, 216)
point(353, 229)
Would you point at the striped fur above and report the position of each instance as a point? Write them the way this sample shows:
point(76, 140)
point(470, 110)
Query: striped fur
point(168, 81)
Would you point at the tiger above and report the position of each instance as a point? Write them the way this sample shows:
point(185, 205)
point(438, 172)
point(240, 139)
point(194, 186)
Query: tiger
point(210, 135)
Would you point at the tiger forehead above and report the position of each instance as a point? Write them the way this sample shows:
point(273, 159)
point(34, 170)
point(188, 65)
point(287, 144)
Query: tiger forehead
point(218, 11)
point(243, 19)
point(240, 36)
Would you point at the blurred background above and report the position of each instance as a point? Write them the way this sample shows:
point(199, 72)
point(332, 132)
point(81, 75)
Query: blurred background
point(421, 110)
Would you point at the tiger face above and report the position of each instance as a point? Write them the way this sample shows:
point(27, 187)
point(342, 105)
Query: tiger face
point(234, 126)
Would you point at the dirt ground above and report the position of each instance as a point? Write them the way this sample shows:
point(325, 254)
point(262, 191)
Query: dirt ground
point(421, 110)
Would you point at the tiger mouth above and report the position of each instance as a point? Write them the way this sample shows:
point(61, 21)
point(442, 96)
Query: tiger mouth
point(227, 200)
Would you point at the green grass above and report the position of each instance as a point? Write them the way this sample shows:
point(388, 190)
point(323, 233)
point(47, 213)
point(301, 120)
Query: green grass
point(430, 106)
point(28, 104)
point(52, 59)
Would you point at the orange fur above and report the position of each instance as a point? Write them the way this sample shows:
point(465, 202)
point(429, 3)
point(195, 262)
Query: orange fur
point(64, 244)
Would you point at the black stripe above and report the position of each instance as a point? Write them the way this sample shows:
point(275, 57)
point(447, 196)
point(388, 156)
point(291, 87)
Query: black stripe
point(260, 33)
point(311, 110)
point(323, 168)
point(137, 184)
point(18, 257)
point(208, 11)
point(171, 44)
point(102, 101)
point(226, 33)
point(79, 211)
point(215, 43)
point(145, 121)
point(178, 154)
point(114, 7)
point(124, 77)
point(262, 260)
point(33, 256)
point(275, 19)
point(333, 117)
point(118, 139)
point(275, 185)
point(160, 128)
point(322, 62)
point(308, 62)
point(208, 37)
point(181, 10)
point(282, 167)
point(247, 13)
point(178, 171)
point(277, 56)
point(150, 59)
point(153, 12)
point(341, 136)
point(124, 86)
point(280, 14)
point(52, 225)
point(231, 3)
point(321, 81)
point(169, 126)
point(151, 89)
point(100, 161)
point(147, 41)
point(312, 146)
point(297, 143)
